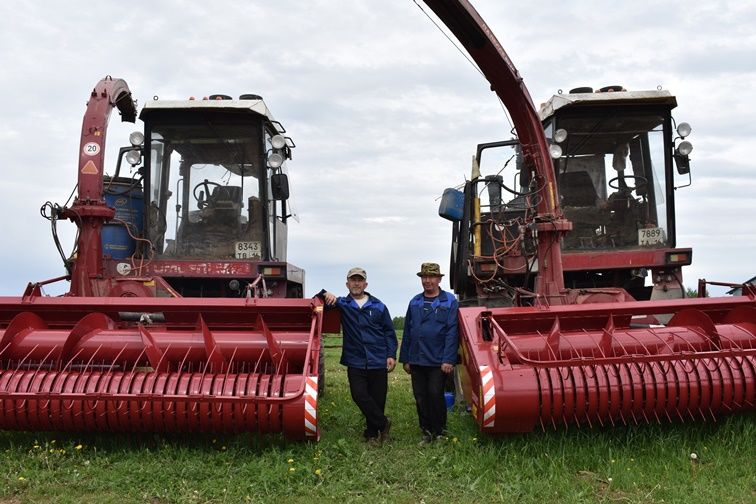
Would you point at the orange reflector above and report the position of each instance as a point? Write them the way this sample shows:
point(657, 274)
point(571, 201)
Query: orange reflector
point(271, 271)
point(677, 258)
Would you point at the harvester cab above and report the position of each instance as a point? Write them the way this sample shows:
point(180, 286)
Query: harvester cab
point(614, 154)
point(211, 204)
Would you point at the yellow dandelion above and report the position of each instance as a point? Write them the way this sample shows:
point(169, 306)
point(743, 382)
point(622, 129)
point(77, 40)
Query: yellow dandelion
point(454, 440)
point(21, 478)
point(78, 447)
point(474, 439)
point(292, 469)
point(318, 472)
point(290, 461)
point(36, 447)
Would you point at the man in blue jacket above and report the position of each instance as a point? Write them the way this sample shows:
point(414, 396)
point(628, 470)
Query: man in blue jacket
point(368, 351)
point(429, 349)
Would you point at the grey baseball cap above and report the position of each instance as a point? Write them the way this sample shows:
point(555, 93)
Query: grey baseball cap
point(357, 272)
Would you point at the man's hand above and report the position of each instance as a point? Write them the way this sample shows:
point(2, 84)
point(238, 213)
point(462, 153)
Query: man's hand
point(447, 368)
point(407, 368)
point(330, 298)
point(390, 364)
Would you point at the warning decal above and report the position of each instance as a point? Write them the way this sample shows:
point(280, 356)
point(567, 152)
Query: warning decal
point(90, 168)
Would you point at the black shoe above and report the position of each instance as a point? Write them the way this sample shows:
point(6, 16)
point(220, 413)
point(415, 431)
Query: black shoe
point(370, 436)
point(384, 436)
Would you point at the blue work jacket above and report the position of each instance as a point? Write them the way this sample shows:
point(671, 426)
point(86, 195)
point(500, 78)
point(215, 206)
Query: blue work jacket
point(431, 337)
point(369, 336)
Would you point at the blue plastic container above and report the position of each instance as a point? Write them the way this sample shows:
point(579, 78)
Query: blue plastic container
point(452, 205)
point(128, 202)
point(449, 396)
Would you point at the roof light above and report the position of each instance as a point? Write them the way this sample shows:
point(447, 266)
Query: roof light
point(685, 148)
point(683, 129)
point(136, 138)
point(560, 135)
point(133, 157)
point(275, 160)
point(278, 141)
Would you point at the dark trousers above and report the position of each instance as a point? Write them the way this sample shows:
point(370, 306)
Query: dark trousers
point(369, 388)
point(428, 387)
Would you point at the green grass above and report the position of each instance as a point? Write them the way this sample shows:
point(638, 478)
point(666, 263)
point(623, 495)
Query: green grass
point(633, 464)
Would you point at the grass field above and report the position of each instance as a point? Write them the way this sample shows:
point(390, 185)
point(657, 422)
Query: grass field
point(634, 464)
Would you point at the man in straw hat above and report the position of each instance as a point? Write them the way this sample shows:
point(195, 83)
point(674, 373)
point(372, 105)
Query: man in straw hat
point(429, 349)
point(368, 351)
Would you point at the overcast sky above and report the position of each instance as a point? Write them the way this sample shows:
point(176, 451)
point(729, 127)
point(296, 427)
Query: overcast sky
point(385, 112)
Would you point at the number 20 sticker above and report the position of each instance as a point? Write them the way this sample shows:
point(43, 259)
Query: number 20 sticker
point(91, 149)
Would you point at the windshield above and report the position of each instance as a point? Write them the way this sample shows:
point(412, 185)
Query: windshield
point(205, 195)
point(611, 179)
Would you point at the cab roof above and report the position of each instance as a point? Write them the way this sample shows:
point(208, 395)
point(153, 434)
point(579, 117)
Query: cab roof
point(240, 106)
point(654, 97)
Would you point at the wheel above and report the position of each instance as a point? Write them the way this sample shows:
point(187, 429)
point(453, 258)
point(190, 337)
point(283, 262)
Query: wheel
point(201, 201)
point(638, 180)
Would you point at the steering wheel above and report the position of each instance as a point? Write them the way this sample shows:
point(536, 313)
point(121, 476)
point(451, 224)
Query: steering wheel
point(206, 184)
point(637, 180)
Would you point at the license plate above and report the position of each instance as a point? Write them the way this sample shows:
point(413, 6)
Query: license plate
point(248, 250)
point(651, 236)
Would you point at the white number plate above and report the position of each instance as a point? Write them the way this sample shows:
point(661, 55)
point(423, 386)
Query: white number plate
point(650, 236)
point(247, 250)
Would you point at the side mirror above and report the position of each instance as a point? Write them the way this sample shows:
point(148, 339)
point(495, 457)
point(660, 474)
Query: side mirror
point(683, 163)
point(279, 186)
point(682, 151)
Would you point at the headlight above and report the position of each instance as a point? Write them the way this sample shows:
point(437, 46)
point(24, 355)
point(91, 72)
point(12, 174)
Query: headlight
point(555, 151)
point(278, 141)
point(275, 160)
point(133, 157)
point(684, 148)
point(560, 135)
point(136, 138)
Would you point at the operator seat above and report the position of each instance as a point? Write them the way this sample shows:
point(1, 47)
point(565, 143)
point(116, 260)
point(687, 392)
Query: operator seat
point(579, 204)
point(225, 197)
point(577, 190)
